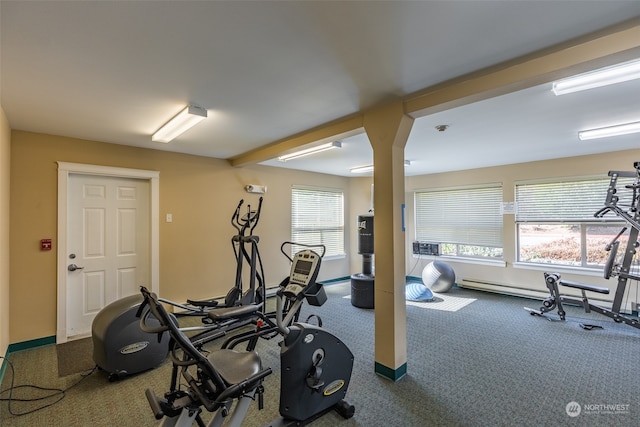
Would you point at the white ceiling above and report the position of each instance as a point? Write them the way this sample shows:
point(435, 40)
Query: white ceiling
point(115, 71)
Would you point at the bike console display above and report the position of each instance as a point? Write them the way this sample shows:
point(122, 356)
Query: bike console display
point(304, 271)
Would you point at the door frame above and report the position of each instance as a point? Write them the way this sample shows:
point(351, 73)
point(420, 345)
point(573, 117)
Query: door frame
point(64, 170)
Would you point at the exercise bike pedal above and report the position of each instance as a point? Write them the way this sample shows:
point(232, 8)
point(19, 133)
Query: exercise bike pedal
point(156, 407)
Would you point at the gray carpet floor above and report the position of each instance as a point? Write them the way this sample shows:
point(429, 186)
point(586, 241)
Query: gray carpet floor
point(474, 359)
point(74, 356)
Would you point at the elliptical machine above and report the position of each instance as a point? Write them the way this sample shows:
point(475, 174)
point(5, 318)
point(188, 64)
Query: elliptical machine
point(121, 349)
point(237, 295)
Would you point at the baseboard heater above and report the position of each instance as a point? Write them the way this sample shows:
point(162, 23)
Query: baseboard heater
point(503, 289)
point(271, 292)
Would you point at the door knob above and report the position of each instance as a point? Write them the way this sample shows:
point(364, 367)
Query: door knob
point(73, 267)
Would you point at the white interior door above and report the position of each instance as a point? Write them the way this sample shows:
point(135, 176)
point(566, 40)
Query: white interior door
point(108, 245)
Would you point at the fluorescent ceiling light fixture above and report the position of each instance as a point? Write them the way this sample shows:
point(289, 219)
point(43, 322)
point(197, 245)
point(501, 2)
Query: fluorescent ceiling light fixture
point(369, 168)
point(623, 129)
point(602, 77)
point(362, 169)
point(309, 151)
point(182, 122)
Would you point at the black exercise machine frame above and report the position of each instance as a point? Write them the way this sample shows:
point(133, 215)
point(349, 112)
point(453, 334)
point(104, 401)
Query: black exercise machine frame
point(216, 382)
point(255, 294)
point(224, 320)
point(622, 271)
point(224, 382)
point(241, 307)
point(265, 326)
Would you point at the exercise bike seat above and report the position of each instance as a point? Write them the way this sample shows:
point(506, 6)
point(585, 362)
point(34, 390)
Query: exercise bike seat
point(236, 312)
point(234, 366)
point(584, 286)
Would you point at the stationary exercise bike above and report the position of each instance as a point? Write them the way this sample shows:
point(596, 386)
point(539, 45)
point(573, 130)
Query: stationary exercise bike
point(316, 366)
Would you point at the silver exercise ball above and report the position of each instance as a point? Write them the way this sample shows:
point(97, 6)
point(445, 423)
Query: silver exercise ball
point(438, 276)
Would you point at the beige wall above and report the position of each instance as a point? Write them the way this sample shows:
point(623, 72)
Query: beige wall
point(509, 275)
point(526, 278)
point(196, 256)
point(5, 169)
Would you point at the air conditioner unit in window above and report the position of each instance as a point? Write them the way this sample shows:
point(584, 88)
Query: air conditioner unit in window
point(425, 248)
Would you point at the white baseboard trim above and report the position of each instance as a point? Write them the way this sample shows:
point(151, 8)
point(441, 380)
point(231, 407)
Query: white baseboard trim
point(505, 289)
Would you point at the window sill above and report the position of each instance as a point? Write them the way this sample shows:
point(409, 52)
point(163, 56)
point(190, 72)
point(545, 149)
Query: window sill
point(463, 260)
point(559, 268)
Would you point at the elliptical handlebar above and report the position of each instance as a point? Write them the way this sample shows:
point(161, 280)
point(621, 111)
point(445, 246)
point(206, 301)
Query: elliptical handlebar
point(236, 216)
point(145, 310)
point(256, 216)
point(288, 243)
point(247, 221)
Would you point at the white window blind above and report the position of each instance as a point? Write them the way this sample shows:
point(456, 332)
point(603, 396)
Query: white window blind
point(567, 201)
point(317, 217)
point(467, 216)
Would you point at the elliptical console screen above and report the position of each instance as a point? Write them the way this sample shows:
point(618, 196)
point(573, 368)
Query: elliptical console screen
point(303, 272)
point(302, 267)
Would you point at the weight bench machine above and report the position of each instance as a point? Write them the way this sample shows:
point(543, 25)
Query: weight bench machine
point(631, 214)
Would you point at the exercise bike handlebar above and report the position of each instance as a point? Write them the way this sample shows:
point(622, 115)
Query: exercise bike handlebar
point(281, 322)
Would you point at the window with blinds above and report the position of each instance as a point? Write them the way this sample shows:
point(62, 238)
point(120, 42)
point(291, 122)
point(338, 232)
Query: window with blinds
point(567, 201)
point(317, 218)
point(556, 224)
point(465, 217)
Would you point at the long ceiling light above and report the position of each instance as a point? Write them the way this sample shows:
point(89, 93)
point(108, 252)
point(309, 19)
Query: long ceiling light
point(623, 129)
point(605, 76)
point(182, 122)
point(309, 151)
point(362, 169)
point(369, 168)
